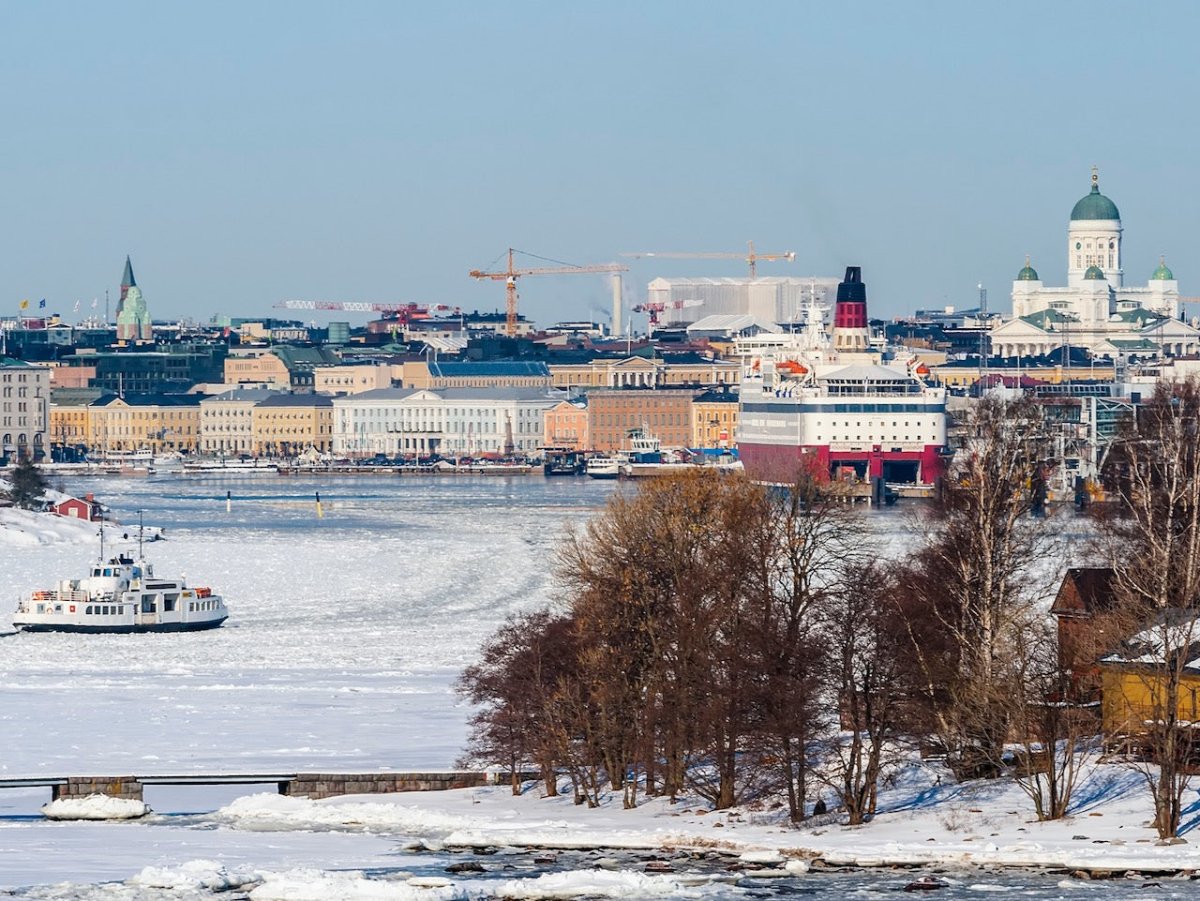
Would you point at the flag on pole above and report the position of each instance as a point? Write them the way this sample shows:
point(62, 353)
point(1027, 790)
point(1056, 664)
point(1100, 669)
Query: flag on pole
point(42, 304)
point(24, 305)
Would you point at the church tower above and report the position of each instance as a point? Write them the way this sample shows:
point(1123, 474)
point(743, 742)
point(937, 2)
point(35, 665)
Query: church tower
point(133, 318)
point(1094, 239)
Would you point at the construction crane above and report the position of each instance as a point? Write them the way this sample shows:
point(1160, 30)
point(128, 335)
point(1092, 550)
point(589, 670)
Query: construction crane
point(751, 256)
point(510, 275)
point(403, 312)
point(656, 307)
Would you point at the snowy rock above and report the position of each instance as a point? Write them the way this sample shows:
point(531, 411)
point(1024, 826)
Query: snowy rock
point(95, 807)
point(796, 867)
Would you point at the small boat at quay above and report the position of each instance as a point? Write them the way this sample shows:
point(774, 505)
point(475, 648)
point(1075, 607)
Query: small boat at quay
point(603, 468)
point(119, 595)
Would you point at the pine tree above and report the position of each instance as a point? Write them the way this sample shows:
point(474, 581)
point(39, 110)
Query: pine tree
point(26, 485)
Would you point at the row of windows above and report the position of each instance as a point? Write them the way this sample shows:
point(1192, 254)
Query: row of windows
point(105, 610)
point(194, 606)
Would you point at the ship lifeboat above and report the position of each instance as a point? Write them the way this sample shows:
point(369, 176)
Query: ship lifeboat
point(791, 366)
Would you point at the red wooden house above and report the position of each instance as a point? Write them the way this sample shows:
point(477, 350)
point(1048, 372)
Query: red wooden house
point(86, 508)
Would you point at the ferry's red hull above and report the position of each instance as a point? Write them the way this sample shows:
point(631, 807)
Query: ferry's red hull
point(780, 463)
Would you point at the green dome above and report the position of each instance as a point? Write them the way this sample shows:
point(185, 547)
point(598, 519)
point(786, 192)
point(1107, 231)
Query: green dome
point(1093, 273)
point(1162, 273)
point(1028, 274)
point(1095, 205)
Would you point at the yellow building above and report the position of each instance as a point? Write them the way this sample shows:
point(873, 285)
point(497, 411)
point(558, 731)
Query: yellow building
point(959, 376)
point(71, 416)
point(351, 378)
point(1136, 680)
point(1131, 696)
point(287, 424)
point(714, 419)
point(260, 368)
point(640, 372)
point(160, 422)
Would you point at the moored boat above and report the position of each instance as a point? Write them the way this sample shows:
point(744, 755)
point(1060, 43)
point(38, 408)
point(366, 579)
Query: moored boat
point(603, 468)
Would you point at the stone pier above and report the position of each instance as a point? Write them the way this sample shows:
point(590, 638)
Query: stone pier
point(114, 786)
point(327, 785)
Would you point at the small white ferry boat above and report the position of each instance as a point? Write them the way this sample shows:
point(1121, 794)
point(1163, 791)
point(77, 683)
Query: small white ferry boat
point(603, 467)
point(120, 595)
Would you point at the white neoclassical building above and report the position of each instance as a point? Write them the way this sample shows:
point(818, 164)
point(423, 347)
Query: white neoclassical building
point(1096, 309)
point(453, 421)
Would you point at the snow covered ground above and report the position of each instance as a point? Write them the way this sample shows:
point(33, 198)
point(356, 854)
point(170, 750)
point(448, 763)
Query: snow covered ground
point(347, 633)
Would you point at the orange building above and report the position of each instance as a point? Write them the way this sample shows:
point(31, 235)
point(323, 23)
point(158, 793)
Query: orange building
point(664, 413)
point(566, 425)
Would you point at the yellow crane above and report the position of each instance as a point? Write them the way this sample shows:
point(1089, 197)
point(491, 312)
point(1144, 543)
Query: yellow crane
point(751, 256)
point(510, 275)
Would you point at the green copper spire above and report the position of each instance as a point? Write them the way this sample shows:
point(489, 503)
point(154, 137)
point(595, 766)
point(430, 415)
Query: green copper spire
point(127, 279)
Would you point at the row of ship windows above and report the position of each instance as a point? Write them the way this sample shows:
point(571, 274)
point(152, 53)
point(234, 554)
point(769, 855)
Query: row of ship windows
point(868, 438)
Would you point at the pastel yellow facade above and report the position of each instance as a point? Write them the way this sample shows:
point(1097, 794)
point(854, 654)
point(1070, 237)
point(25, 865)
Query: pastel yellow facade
point(966, 376)
point(351, 379)
point(265, 368)
point(1132, 696)
point(70, 424)
point(289, 430)
point(639, 372)
point(118, 426)
point(714, 423)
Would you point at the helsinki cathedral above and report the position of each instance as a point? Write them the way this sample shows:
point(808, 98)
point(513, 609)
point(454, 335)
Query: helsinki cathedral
point(1096, 309)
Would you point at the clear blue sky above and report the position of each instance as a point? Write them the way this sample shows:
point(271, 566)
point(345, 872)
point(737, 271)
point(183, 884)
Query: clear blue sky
point(252, 151)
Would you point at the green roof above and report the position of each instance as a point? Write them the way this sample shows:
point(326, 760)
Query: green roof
point(1094, 273)
point(1139, 315)
point(1095, 205)
point(1133, 344)
point(1044, 318)
point(1162, 273)
point(1028, 274)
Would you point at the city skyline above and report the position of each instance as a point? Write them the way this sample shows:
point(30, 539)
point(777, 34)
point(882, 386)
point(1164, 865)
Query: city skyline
point(244, 156)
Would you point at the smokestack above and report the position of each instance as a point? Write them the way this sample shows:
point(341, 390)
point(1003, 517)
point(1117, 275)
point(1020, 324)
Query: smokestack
point(616, 304)
point(851, 332)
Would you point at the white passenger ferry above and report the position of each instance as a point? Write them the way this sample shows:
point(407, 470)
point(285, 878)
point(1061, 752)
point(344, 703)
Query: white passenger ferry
point(121, 595)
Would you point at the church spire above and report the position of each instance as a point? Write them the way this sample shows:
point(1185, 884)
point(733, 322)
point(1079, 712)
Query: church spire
point(127, 281)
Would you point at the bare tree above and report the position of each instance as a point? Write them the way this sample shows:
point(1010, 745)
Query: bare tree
point(519, 670)
point(968, 589)
point(867, 658)
point(805, 546)
point(1056, 739)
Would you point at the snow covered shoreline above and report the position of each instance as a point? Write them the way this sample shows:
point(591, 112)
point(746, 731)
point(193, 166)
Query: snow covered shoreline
point(977, 825)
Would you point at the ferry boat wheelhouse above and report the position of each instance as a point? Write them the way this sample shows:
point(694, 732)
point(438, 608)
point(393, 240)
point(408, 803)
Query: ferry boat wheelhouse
point(121, 594)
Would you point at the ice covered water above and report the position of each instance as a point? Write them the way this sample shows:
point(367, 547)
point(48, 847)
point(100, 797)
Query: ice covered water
point(346, 635)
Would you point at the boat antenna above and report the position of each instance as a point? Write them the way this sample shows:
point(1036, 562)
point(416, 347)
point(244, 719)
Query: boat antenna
point(141, 528)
